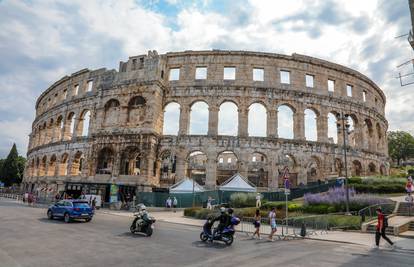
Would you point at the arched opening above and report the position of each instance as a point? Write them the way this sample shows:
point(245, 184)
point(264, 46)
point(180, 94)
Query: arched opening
point(356, 168)
point(171, 119)
point(83, 125)
point(105, 161)
point(196, 167)
point(380, 142)
point(332, 129)
point(368, 133)
point(311, 133)
point(257, 169)
point(59, 128)
point(49, 131)
point(372, 169)
point(199, 118)
point(43, 134)
point(136, 110)
point(257, 120)
point(42, 168)
point(32, 171)
point(63, 165)
point(383, 170)
point(339, 167)
point(285, 122)
point(77, 164)
point(70, 126)
point(228, 119)
point(131, 161)
point(111, 116)
point(37, 167)
point(227, 165)
point(313, 170)
point(168, 167)
point(52, 166)
point(352, 138)
point(288, 168)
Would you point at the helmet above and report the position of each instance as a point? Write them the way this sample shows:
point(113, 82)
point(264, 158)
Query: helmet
point(222, 209)
point(230, 211)
point(143, 207)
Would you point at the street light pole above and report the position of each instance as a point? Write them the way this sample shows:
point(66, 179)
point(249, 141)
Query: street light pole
point(344, 127)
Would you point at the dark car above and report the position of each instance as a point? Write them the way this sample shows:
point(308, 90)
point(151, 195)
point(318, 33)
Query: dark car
point(69, 210)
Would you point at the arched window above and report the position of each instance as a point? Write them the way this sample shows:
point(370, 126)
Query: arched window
point(285, 122)
point(199, 118)
point(310, 125)
point(257, 120)
point(111, 112)
point(332, 128)
point(228, 119)
point(83, 127)
point(136, 110)
point(171, 119)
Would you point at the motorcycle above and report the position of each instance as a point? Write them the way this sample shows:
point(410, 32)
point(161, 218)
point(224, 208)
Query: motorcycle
point(141, 225)
point(226, 236)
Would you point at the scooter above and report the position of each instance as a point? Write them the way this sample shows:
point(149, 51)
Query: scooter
point(226, 236)
point(139, 225)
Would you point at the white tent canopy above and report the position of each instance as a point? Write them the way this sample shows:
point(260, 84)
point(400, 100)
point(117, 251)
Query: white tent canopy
point(237, 183)
point(186, 186)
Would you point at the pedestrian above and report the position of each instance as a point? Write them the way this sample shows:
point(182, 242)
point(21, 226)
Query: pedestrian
point(209, 201)
point(93, 203)
point(168, 203)
point(258, 201)
point(175, 203)
point(29, 199)
point(409, 185)
point(57, 197)
point(272, 222)
point(381, 227)
point(257, 221)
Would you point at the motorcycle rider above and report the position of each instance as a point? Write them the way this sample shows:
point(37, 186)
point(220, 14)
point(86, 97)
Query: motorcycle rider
point(142, 217)
point(224, 220)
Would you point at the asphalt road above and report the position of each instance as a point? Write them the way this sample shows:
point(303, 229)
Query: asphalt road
point(28, 238)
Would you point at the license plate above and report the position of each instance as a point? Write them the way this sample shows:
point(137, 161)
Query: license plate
point(85, 214)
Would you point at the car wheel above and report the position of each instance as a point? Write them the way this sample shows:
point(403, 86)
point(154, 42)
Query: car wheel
point(88, 219)
point(66, 218)
point(49, 215)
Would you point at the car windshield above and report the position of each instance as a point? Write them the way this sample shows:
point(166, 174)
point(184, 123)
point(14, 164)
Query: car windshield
point(80, 205)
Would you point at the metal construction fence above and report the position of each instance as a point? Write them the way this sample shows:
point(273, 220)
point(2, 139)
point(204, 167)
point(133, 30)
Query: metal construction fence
point(185, 200)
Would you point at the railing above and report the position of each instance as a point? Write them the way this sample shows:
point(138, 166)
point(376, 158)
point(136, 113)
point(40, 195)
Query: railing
point(369, 213)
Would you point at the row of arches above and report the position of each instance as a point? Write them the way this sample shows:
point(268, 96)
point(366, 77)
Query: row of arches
point(56, 165)
point(287, 122)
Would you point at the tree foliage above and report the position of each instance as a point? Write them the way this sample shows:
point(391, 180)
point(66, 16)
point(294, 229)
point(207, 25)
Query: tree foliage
point(400, 145)
point(12, 168)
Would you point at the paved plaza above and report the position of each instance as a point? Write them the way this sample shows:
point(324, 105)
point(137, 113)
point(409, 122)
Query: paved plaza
point(27, 238)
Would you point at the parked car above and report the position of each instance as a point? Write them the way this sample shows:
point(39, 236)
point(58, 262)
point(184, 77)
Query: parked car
point(70, 209)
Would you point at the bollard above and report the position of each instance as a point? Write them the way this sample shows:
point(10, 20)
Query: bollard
point(303, 230)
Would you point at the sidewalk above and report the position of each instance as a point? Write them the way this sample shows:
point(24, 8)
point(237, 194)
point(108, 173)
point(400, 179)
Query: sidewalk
point(364, 239)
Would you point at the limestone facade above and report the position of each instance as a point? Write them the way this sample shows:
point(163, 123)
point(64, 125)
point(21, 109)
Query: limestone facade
point(106, 126)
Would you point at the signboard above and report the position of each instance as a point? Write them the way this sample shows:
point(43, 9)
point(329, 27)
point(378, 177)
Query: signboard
point(113, 193)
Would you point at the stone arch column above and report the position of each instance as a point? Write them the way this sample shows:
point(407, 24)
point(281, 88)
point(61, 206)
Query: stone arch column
point(299, 124)
point(322, 126)
point(272, 123)
point(211, 169)
point(242, 161)
point(181, 162)
point(243, 113)
point(213, 111)
point(184, 119)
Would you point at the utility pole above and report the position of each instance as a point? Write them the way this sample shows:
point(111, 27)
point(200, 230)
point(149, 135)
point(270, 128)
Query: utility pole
point(344, 128)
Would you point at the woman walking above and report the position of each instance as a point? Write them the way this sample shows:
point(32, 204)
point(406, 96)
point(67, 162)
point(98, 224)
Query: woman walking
point(272, 222)
point(257, 220)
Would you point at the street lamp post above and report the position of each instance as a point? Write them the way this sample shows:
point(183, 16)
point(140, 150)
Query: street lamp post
point(344, 128)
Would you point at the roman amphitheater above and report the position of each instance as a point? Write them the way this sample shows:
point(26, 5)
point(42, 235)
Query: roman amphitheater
point(205, 115)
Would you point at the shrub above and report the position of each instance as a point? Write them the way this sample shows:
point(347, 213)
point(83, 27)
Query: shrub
point(241, 200)
point(277, 204)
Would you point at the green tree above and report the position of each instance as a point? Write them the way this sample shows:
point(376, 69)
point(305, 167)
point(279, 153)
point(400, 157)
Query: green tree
point(400, 145)
point(12, 168)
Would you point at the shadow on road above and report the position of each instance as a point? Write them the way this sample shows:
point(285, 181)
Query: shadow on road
point(215, 245)
point(58, 221)
point(129, 234)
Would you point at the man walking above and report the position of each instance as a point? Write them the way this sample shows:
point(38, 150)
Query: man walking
point(381, 226)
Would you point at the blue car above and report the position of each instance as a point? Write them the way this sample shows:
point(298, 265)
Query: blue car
point(70, 209)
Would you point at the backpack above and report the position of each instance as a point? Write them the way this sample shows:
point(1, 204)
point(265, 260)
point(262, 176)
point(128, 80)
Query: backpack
point(385, 224)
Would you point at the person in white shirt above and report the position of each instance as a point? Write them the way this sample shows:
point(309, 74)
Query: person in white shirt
point(272, 222)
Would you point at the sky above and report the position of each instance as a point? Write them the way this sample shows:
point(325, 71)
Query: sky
point(41, 41)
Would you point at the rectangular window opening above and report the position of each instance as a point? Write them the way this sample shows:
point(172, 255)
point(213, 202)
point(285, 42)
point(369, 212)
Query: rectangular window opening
point(284, 77)
point(258, 74)
point(364, 96)
point(229, 73)
point(349, 90)
point(174, 74)
point(90, 84)
point(309, 80)
point(331, 85)
point(201, 73)
point(76, 89)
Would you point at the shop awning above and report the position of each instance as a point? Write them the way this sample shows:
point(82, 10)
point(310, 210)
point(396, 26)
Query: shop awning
point(237, 183)
point(186, 186)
